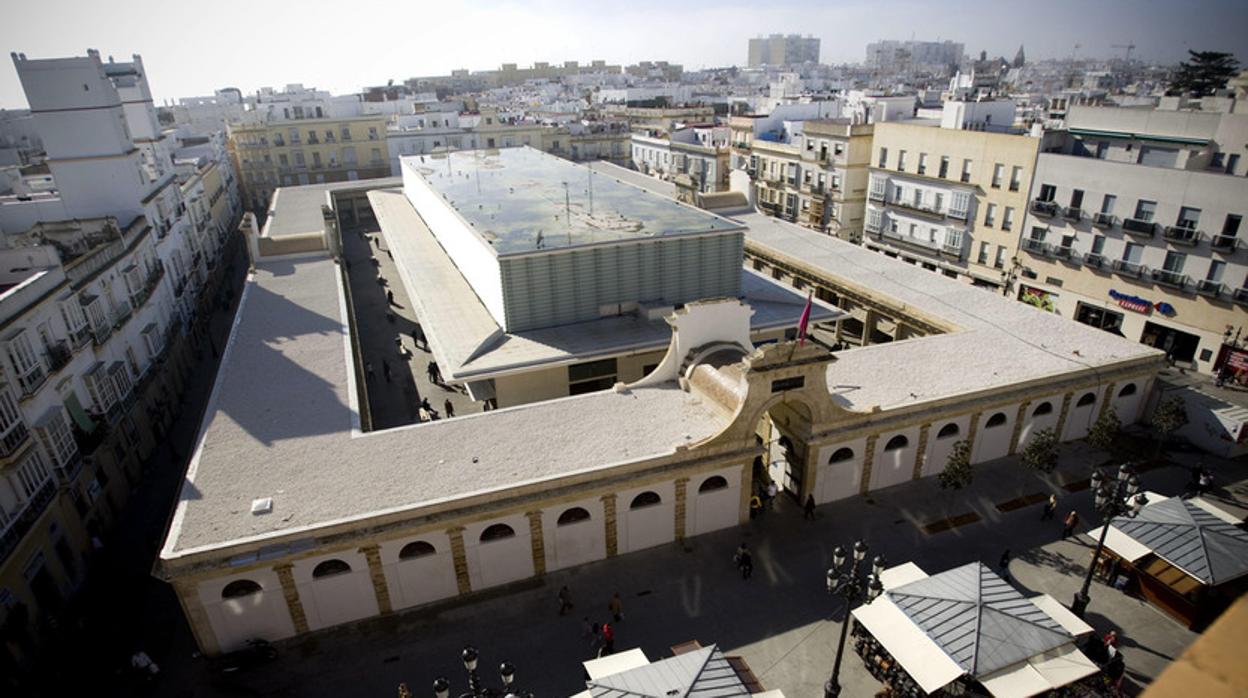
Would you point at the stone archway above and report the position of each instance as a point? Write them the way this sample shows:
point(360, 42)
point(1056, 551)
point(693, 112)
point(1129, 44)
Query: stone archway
point(783, 432)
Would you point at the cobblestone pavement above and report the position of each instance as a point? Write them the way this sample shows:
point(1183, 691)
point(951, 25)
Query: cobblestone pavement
point(781, 620)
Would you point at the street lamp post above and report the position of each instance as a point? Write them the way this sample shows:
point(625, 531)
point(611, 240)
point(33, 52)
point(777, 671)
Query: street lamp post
point(506, 673)
point(1115, 497)
point(845, 581)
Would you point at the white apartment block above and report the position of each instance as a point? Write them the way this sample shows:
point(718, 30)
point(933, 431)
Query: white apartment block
point(1135, 227)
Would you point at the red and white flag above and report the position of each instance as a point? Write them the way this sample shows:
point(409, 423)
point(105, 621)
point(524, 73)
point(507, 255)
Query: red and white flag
point(805, 320)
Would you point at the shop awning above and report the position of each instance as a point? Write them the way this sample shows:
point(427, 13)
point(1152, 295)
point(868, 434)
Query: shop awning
point(1054, 608)
point(615, 663)
point(922, 659)
point(901, 575)
point(1053, 669)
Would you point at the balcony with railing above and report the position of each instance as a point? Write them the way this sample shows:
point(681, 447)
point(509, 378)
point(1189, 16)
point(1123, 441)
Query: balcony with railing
point(952, 250)
point(928, 246)
point(1208, 287)
point(1065, 253)
point(16, 528)
point(872, 226)
point(1046, 209)
point(59, 355)
point(121, 314)
point(1136, 226)
point(1073, 214)
point(1104, 220)
point(876, 196)
point(14, 440)
point(1095, 260)
point(1241, 296)
point(1224, 243)
point(921, 209)
point(32, 380)
point(1034, 247)
point(1181, 235)
point(1126, 268)
point(1173, 279)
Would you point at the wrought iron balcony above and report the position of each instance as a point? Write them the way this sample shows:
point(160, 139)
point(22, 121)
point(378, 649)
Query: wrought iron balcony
point(1095, 260)
point(1205, 287)
point(80, 337)
point(32, 380)
point(1047, 209)
point(14, 440)
point(1072, 213)
point(59, 355)
point(1224, 243)
point(1125, 268)
point(1034, 246)
point(920, 209)
point(1173, 279)
point(20, 525)
point(1104, 220)
point(1181, 235)
point(1135, 226)
point(1064, 252)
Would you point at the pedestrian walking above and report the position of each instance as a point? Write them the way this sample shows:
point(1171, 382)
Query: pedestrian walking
point(143, 664)
point(368, 369)
point(1072, 520)
point(736, 556)
point(448, 408)
point(385, 369)
point(810, 507)
point(565, 600)
point(390, 297)
point(595, 641)
point(587, 628)
point(616, 607)
point(1003, 565)
point(608, 639)
point(435, 375)
point(1049, 507)
point(1206, 482)
point(747, 565)
point(772, 491)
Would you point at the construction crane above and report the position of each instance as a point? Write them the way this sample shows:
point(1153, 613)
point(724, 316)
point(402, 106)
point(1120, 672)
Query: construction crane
point(1128, 46)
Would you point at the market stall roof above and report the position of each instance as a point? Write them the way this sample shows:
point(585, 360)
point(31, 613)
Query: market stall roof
point(1051, 670)
point(702, 673)
point(901, 574)
point(1189, 538)
point(615, 663)
point(922, 658)
point(978, 619)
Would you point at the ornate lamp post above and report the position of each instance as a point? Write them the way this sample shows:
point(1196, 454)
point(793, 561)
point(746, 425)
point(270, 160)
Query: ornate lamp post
point(506, 673)
point(1114, 497)
point(845, 581)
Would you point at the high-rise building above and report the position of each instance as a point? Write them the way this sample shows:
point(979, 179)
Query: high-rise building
point(779, 49)
point(892, 55)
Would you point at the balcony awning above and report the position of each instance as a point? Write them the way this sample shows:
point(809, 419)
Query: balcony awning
point(79, 415)
point(1128, 135)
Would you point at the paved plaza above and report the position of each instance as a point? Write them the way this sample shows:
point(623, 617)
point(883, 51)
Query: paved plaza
point(781, 620)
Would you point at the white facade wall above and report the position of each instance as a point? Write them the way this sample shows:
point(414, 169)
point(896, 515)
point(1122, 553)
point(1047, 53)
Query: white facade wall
point(337, 598)
point(574, 543)
point(420, 579)
point(894, 466)
point(842, 478)
point(646, 526)
point(495, 562)
point(939, 447)
point(1040, 417)
point(715, 509)
point(992, 440)
point(1085, 407)
point(262, 615)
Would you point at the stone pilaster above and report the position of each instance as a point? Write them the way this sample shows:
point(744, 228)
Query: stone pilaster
point(193, 608)
point(971, 432)
point(611, 523)
point(291, 592)
point(682, 486)
point(921, 452)
point(1106, 398)
point(1061, 416)
point(1018, 425)
point(868, 461)
point(460, 559)
point(868, 327)
point(539, 542)
point(378, 575)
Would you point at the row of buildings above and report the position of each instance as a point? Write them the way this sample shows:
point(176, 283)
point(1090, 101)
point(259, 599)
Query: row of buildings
point(105, 273)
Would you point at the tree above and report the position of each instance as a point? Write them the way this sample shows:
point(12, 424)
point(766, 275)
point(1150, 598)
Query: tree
point(957, 473)
point(1103, 432)
point(1208, 71)
point(1169, 417)
point(1040, 453)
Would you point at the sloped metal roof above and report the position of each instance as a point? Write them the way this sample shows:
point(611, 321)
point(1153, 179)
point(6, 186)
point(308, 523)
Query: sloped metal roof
point(703, 673)
point(978, 619)
point(1191, 539)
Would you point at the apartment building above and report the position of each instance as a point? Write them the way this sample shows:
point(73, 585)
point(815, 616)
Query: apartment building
point(779, 49)
point(949, 196)
point(1135, 227)
point(820, 179)
point(103, 279)
point(308, 150)
point(696, 158)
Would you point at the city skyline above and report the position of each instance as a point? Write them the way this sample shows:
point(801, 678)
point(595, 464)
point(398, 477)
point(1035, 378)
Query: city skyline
point(184, 59)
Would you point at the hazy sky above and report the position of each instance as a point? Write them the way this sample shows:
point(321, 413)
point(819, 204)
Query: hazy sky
point(341, 45)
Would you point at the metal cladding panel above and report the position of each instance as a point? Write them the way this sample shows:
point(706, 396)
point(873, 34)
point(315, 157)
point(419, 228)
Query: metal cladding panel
point(570, 286)
point(1191, 539)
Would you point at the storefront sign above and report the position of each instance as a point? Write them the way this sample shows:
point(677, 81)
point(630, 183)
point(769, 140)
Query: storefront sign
point(1139, 305)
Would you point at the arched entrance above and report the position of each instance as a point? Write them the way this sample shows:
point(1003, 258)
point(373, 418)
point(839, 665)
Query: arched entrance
point(783, 432)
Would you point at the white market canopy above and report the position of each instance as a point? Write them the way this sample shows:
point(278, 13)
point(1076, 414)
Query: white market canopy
point(969, 621)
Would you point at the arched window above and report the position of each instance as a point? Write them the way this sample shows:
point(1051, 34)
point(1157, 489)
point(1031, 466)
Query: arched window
point(1127, 390)
point(710, 484)
point(240, 588)
point(645, 499)
point(949, 430)
point(415, 549)
point(497, 532)
point(573, 515)
point(897, 442)
point(996, 420)
point(842, 455)
point(1042, 409)
point(330, 568)
point(1087, 399)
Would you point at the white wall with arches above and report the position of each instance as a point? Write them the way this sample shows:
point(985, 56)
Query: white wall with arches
point(894, 458)
point(1042, 414)
point(646, 516)
point(1085, 407)
point(992, 438)
point(941, 437)
point(335, 588)
point(840, 470)
point(575, 533)
point(1128, 399)
point(245, 607)
point(498, 551)
point(419, 569)
point(713, 501)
